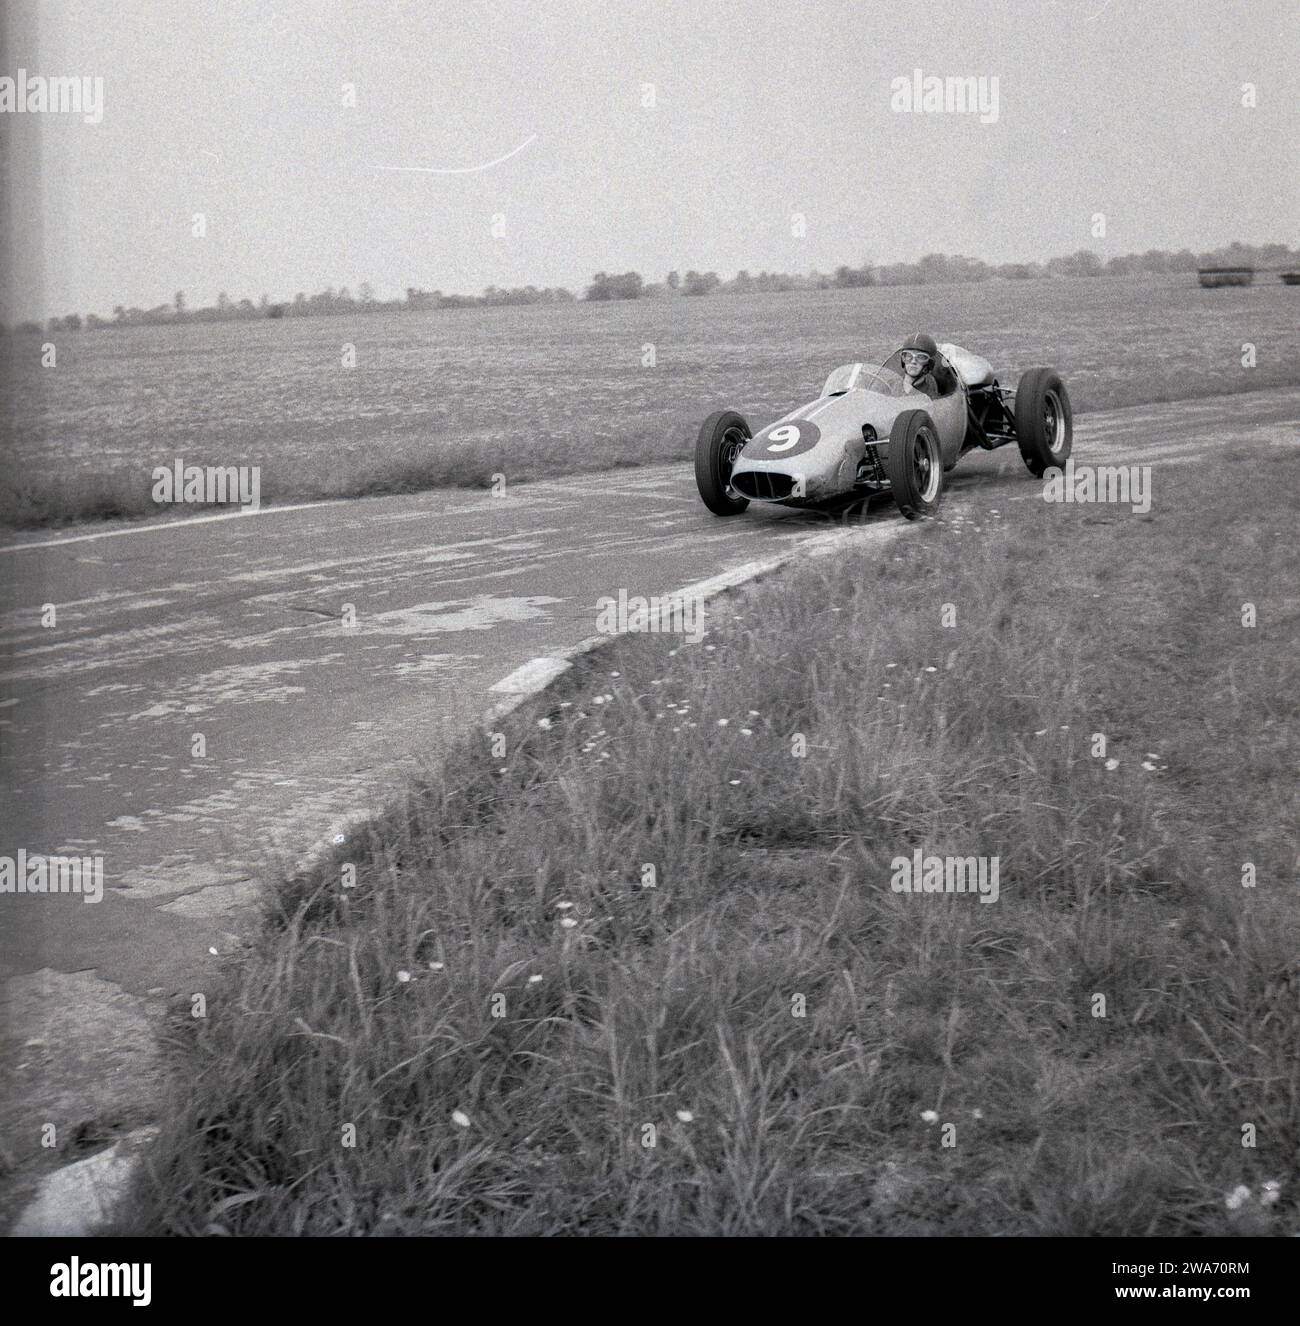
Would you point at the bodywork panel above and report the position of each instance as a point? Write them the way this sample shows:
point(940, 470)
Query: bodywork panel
point(813, 453)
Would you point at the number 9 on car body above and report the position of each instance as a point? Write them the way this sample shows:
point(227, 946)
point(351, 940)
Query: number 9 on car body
point(781, 441)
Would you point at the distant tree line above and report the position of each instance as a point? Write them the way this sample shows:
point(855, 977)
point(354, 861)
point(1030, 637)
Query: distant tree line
point(328, 303)
point(933, 269)
point(940, 269)
point(493, 295)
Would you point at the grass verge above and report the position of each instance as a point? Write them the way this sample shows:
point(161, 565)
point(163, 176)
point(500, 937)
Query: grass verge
point(43, 497)
point(645, 973)
point(40, 499)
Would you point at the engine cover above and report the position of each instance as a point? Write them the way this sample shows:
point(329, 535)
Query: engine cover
point(973, 370)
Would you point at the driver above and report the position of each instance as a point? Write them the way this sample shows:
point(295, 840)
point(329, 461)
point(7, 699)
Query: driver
point(919, 356)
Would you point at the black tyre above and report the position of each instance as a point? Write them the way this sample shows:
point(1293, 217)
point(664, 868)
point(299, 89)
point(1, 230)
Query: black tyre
point(722, 438)
point(914, 464)
point(1044, 420)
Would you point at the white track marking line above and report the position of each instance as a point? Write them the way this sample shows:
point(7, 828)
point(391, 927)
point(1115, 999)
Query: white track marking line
point(175, 524)
point(188, 521)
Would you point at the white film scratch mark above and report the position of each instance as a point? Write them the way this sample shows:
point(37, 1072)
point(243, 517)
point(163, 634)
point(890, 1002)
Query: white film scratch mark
point(461, 170)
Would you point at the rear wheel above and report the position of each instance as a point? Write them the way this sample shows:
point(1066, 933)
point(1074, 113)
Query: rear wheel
point(722, 438)
point(914, 465)
point(1044, 420)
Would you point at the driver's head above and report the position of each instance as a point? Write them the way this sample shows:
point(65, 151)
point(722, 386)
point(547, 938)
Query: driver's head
point(918, 353)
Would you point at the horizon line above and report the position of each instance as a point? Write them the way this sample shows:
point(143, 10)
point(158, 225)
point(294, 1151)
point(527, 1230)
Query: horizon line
point(812, 272)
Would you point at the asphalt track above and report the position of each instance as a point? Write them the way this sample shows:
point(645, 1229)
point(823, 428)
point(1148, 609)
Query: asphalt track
point(235, 628)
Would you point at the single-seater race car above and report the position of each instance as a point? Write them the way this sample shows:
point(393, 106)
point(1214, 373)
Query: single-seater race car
point(870, 431)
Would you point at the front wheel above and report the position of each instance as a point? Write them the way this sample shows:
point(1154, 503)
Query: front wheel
point(914, 465)
point(1044, 420)
point(722, 438)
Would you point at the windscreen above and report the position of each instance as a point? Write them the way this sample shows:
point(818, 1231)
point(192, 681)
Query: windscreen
point(863, 377)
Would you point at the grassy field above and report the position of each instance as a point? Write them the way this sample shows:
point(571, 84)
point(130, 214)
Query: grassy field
point(509, 1024)
point(453, 397)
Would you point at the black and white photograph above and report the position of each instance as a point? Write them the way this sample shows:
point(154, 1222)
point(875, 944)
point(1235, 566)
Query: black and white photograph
point(663, 620)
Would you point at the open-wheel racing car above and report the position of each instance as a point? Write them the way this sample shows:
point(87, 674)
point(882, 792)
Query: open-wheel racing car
point(872, 431)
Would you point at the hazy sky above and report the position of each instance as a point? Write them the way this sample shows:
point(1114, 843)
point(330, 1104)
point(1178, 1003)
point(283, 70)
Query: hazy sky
point(761, 109)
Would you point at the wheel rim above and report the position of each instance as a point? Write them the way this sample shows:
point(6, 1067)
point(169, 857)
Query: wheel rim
point(733, 443)
point(1053, 423)
point(926, 468)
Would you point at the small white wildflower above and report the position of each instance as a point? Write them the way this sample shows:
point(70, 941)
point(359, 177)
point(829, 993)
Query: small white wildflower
point(543, 723)
point(710, 648)
point(460, 1118)
point(977, 1114)
point(753, 713)
point(598, 699)
point(214, 952)
point(1148, 766)
point(568, 922)
point(722, 722)
point(685, 1116)
point(929, 1116)
point(403, 976)
point(746, 731)
point(615, 674)
point(534, 979)
point(891, 665)
point(735, 782)
point(1272, 1193)
point(563, 906)
point(1111, 765)
point(339, 838)
point(436, 966)
point(1237, 1197)
point(1042, 732)
point(672, 653)
point(932, 669)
